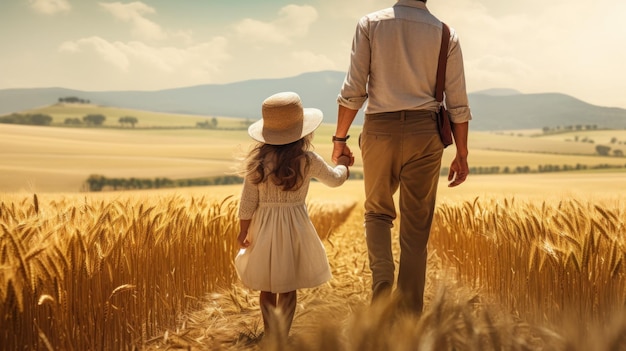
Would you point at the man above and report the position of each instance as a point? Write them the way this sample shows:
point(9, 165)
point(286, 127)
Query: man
point(393, 65)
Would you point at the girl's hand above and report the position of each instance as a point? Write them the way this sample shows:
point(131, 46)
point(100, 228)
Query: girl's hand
point(243, 242)
point(344, 160)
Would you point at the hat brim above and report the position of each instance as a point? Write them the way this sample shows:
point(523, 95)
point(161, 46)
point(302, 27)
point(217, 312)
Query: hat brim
point(311, 120)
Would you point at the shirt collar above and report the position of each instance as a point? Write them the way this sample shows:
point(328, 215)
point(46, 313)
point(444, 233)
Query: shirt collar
point(412, 3)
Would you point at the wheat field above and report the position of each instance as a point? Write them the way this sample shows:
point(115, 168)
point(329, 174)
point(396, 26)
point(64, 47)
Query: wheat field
point(153, 270)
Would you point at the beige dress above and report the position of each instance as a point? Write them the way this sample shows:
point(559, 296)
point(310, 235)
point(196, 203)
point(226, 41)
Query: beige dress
point(285, 252)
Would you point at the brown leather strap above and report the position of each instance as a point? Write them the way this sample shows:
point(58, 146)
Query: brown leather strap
point(443, 60)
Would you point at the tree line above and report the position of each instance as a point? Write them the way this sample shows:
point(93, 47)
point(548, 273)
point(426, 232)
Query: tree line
point(39, 119)
point(570, 128)
point(99, 119)
point(604, 150)
point(73, 100)
point(89, 120)
point(98, 182)
point(547, 168)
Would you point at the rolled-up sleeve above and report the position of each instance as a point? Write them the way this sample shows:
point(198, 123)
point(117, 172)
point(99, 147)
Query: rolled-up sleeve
point(249, 199)
point(354, 90)
point(457, 102)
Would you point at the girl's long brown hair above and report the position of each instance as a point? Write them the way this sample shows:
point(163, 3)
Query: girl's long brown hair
point(285, 164)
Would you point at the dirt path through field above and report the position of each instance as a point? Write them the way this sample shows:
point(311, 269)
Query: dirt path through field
point(333, 315)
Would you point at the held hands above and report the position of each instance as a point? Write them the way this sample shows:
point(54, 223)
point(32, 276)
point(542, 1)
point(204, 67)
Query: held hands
point(342, 154)
point(458, 171)
point(344, 160)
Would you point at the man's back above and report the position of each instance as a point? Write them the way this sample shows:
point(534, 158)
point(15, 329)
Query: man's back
point(404, 51)
point(403, 43)
point(394, 64)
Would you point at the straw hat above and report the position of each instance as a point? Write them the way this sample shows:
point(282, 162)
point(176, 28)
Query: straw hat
point(284, 120)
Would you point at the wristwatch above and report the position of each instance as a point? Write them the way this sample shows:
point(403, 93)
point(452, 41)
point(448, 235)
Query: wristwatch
point(341, 140)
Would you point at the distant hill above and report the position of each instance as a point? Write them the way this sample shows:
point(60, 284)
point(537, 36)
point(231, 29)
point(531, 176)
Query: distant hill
point(530, 111)
point(240, 99)
point(498, 92)
point(493, 109)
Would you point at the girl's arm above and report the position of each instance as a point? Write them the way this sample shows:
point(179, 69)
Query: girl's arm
point(330, 176)
point(247, 205)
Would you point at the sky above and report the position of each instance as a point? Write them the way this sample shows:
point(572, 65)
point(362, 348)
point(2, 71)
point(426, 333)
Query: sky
point(573, 47)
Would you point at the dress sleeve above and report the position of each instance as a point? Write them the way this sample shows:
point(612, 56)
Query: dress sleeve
point(249, 199)
point(322, 171)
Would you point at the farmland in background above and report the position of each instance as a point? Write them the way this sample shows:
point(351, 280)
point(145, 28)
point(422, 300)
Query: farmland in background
point(60, 159)
point(526, 261)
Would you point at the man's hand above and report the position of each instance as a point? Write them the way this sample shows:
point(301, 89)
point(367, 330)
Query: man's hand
point(458, 171)
point(340, 149)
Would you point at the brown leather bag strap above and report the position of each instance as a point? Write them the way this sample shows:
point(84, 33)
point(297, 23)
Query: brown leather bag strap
point(443, 60)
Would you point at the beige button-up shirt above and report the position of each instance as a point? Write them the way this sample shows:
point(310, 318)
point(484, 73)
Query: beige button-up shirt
point(394, 61)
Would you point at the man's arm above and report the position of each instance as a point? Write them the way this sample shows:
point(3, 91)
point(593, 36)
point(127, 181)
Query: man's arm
point(345, 117)
point(457, 105)
point(459, 168)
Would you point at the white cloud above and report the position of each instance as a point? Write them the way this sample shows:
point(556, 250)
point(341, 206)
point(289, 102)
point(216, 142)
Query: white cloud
point(134, 13)
point(196, 63)
point(110, 52)
point(50, 7)
point(293, 21)
point(297, 19)
point(498, 72)
point(352, 10)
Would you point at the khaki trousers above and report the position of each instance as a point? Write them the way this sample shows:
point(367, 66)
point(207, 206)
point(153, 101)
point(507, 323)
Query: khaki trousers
point(400, 150)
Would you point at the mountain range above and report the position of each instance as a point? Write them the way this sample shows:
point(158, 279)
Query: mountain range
point(494, 109)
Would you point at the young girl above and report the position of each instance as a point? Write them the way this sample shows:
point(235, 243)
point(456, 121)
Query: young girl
point(281, 251)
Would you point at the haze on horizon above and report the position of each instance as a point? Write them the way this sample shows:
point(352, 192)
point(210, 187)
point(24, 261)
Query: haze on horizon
point(573, 47)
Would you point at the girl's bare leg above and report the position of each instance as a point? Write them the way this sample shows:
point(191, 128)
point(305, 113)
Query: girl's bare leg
point(267, 300)
point(287, 306)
